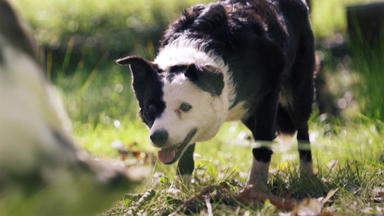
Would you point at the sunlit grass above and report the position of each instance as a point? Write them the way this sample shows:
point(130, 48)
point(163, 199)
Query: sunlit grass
point(368, 65)
point(347, 157)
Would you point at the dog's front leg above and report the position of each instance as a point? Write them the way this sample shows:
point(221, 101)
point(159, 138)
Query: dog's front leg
point(258, 176)
point(186, 164)
point(262, 125)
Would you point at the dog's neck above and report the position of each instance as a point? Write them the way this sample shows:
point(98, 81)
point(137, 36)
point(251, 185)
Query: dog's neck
point(184, 51)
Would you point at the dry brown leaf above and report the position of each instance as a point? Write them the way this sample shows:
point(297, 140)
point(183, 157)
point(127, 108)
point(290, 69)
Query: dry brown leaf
point(308, 207)
point(329, 196)
point(295, 207)
point(250, 196)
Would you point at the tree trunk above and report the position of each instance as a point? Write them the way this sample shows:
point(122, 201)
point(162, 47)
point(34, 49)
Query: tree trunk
point(366, 24)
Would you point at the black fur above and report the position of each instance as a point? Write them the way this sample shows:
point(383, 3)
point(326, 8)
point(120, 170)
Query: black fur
point(262, 154)
point(147, 86)
point(186, 163)
point(269, 48)
point(304, 145)
point(206, 78)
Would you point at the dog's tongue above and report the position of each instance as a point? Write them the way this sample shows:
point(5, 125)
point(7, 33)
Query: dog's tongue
point(166, 155)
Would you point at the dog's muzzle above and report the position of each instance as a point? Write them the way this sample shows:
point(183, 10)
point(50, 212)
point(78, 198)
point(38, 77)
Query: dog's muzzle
point(171, 154)
point(159, 138)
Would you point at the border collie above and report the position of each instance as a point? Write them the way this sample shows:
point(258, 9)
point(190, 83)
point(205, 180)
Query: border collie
point(248, 60)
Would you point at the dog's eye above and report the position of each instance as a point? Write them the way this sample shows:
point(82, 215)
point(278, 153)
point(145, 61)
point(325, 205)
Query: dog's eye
point(185, 107)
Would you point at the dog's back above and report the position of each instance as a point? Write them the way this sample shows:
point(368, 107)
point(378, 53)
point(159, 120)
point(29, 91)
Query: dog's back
point(260, 40)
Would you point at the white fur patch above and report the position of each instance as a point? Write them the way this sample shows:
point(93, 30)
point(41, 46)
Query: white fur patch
point(208, 112)
point(286, 139)
point(306, 167)
point(184, 51)
point(237, 112)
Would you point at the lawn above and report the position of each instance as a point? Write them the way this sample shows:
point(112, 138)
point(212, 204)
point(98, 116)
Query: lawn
point(83, 40)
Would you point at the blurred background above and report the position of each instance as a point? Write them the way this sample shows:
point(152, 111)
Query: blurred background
point(80, 39)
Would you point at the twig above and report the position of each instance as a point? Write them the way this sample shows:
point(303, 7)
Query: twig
point(200, 196)
point(145, 197)
point(209, 206)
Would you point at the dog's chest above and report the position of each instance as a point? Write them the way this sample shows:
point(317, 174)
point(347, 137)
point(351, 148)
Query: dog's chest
point(237, 112)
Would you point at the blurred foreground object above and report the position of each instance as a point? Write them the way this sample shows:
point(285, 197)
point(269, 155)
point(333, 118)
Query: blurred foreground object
point(42, 172)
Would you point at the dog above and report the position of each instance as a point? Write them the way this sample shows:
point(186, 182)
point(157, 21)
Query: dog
point(247, 60)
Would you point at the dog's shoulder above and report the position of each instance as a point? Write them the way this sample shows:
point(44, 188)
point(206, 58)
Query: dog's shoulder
point(237, 19)
point(210, 18)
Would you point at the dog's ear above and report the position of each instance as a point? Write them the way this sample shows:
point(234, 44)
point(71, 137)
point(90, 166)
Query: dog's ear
point(142, 70)
point(207, 78)
point(145, 77)
point(140, 67)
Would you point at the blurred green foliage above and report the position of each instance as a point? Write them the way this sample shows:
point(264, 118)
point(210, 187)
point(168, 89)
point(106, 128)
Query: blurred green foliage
point(82, 38)
point(329, 16)
point(96, 27)
point(368, 63)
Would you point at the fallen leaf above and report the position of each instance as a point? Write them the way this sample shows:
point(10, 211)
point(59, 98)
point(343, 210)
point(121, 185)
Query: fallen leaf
point(329, 196)
point(250, 196)
point(378, 194)
point(308, 207)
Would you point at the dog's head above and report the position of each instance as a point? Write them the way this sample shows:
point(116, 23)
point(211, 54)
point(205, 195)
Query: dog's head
point(181, 104)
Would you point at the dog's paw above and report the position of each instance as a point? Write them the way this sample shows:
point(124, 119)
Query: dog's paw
point(261, 188)
point(184, 180)
point(306, 170)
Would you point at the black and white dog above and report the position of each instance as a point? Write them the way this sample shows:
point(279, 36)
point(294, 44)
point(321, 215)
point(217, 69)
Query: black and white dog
point(248, 60)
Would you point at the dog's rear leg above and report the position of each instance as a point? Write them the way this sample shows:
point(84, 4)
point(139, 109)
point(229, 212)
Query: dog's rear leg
point(262, 125)
point(303, 94)
point(186, 165)
point(306, 167)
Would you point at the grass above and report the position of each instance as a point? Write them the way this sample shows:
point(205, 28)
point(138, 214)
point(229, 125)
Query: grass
point(348, 152)
point(368, 66)
point(347, 157)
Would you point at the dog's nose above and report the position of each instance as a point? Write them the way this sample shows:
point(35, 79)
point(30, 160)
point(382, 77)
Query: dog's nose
point(159, 137)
